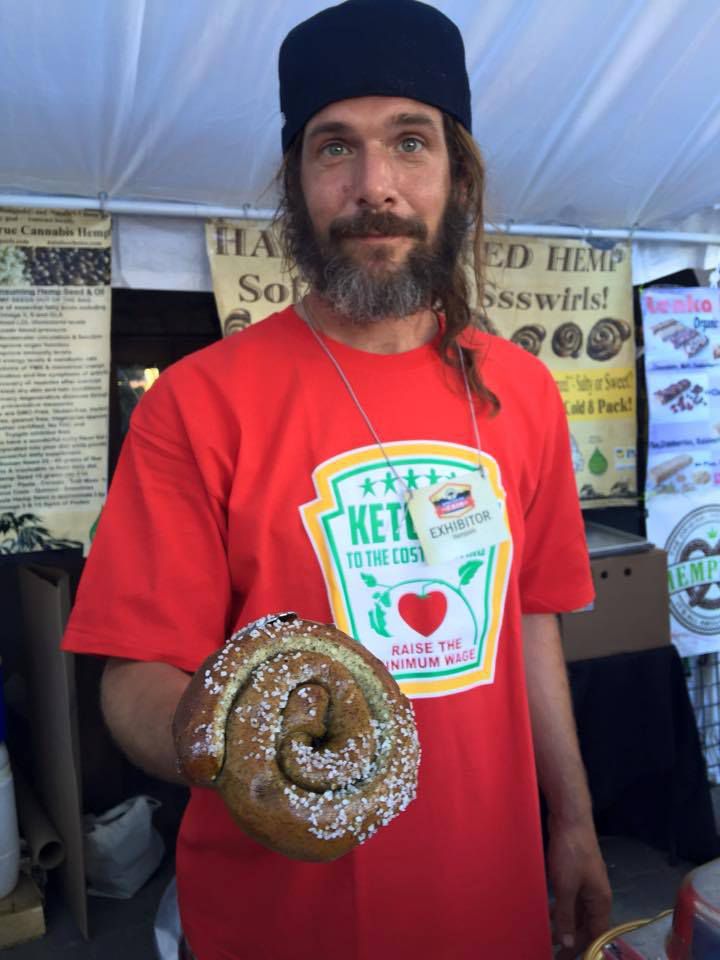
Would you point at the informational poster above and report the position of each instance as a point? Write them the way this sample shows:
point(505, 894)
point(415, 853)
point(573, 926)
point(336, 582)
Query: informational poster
point(681, 329)
point(54, 372)
point(570, 304)
point(247, 272)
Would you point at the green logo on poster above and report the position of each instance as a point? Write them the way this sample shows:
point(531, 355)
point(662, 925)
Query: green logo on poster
point(693, 550)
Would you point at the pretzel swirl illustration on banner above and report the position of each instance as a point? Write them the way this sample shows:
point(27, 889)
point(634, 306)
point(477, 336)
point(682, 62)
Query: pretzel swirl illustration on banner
point(567, 340)
point(698, 596)
point(530, 337)
point(304, 734)
point(606, 337)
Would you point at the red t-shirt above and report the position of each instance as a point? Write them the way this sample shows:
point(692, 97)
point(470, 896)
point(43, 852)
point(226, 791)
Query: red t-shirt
point(248, 484)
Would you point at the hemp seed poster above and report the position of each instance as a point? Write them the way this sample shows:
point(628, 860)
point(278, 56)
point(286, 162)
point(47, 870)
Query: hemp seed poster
point(54, 373)
point(681, 329)
point(570, 304)
point(247, 272)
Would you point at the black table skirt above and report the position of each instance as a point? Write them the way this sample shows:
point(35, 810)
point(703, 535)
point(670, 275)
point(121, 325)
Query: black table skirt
point(640, 744)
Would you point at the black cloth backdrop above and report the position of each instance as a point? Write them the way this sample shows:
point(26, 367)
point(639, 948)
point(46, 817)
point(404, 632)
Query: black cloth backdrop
point(639, 740)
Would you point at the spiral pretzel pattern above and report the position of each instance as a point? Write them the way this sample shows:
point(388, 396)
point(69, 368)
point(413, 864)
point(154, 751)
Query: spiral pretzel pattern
point(530, 337)
point(305, 735)
point(567, 340)
point(606, 337)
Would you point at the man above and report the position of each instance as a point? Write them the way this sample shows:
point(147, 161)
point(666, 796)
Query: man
point(271, 471)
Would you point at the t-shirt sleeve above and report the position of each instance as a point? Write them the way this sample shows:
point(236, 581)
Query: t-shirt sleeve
point(555, 571)
point(156, 585)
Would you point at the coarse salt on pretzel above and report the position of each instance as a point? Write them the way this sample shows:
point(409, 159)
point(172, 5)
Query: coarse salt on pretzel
point(304, 734)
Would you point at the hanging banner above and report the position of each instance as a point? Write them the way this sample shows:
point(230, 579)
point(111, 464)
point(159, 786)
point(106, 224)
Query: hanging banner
point(54, 372)
point(564, 301)
point(681, 329)
point(570, 304)
point(247, 274)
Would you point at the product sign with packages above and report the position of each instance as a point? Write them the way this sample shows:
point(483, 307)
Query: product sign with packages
point(682, 362)
point(54, 373)
point(570, 304)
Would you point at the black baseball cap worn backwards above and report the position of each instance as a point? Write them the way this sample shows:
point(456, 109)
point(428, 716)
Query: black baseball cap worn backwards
point(363, 48)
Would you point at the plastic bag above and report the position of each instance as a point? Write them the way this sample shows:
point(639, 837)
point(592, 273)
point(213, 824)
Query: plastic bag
point(167, 930)
point(122, 848)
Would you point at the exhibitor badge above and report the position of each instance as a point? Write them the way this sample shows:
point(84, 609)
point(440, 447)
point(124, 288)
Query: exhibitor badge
point(454, 519)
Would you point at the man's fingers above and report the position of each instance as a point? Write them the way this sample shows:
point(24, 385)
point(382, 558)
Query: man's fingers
point(589, 919)
point(578, 877)
point(596, 914)
point(594, 907)
point(564, 954)
point(564, 918)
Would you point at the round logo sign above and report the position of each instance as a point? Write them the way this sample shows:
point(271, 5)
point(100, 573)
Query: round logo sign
point(693, 550)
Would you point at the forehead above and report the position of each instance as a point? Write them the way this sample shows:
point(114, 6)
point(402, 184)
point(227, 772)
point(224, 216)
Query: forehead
point(374, 115)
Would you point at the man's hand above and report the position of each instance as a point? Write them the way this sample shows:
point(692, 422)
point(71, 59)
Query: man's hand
point(138, 701)
point(575, 866)
point(580, 884)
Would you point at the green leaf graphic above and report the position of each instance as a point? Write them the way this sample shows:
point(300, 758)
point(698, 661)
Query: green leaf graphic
point(368, 580)
point(597, 463)
point(468, 570)
point(384, 598)
point(377, 620)
point(712, 534)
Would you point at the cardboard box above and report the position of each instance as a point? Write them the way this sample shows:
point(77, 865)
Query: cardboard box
point(631, 609)
point(21, 914)
point(55, 767)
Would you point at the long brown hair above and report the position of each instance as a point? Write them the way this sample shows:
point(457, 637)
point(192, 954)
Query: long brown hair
point(467, 175)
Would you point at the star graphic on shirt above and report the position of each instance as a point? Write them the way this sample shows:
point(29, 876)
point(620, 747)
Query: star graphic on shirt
point(367, 487)
point(433, 477)
point(411, 479)
point(389, 481)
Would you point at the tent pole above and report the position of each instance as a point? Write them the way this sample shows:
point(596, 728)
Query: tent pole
point(142, 208)
point(160, 208)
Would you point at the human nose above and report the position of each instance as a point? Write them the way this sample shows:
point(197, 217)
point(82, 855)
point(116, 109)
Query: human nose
point(374, 180)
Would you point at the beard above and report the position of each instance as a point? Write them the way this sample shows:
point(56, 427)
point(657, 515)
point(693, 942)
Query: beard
point(374, 288)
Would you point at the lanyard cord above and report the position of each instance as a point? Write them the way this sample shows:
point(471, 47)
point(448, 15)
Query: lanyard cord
point(304, 312)
point(307, 317)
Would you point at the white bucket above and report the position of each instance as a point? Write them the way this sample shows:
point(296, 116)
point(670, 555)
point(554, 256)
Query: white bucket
point(9, 840)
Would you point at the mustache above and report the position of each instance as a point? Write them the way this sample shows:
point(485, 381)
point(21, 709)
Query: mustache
point(368, 223)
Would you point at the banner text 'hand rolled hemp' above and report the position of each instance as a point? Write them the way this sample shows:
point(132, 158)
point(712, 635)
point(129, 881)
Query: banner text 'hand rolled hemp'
point(247, 272)
point(570, 304)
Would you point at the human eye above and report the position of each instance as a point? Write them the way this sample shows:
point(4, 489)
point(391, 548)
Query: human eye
point(411, 145)
point(333, 149)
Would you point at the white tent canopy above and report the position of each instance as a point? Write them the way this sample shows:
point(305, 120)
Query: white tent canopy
point(591, 115)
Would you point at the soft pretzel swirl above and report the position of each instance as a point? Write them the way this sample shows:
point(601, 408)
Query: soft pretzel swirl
point(567, 340)
point(305, 735)
point(606, 337)
point(529, 337)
